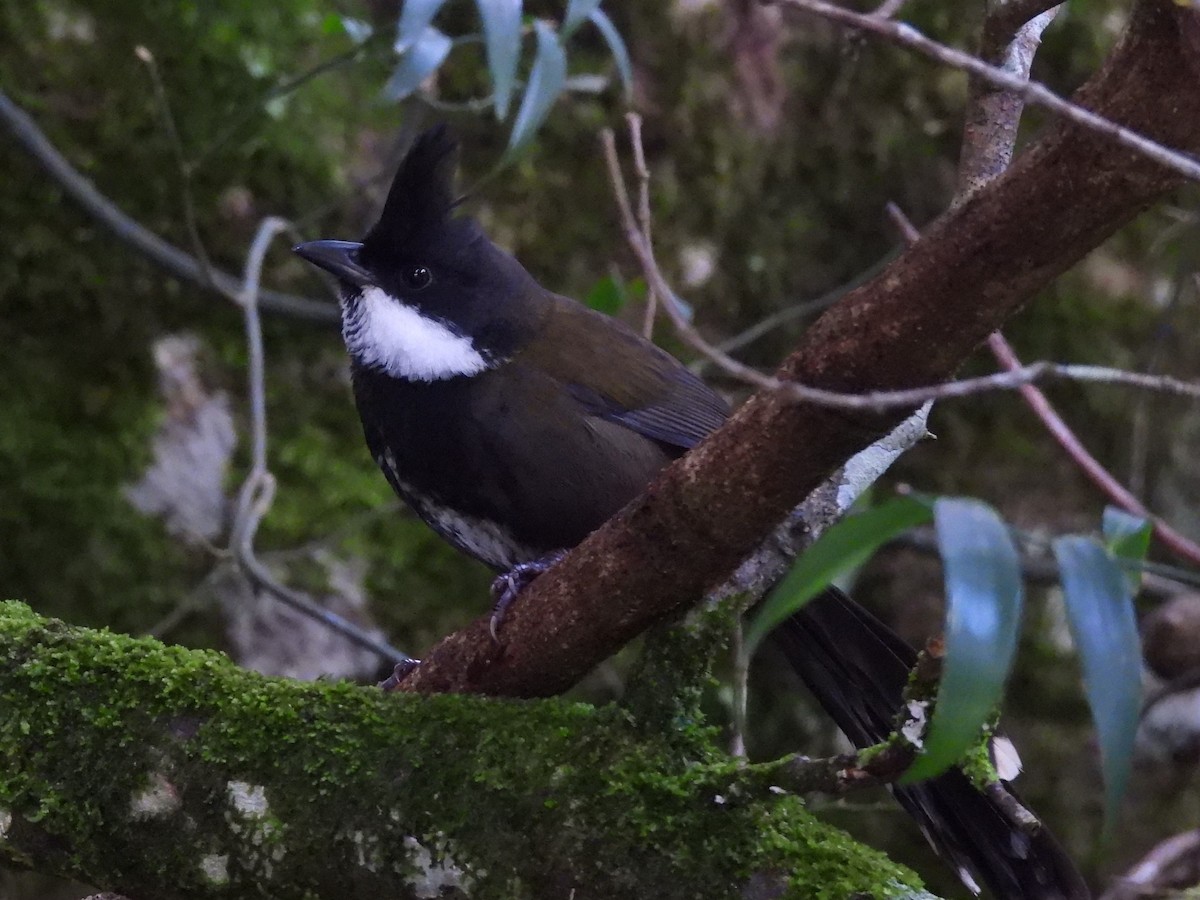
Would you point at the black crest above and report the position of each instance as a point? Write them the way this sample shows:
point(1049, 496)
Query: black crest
point(422, 193)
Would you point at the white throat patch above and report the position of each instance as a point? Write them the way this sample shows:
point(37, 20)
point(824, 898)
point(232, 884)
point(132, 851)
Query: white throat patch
point(384, 333)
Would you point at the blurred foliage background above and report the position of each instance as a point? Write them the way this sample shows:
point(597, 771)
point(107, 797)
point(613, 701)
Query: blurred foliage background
point(774, 150)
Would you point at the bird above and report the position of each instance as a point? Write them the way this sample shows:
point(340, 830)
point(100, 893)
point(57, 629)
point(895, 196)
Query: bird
point(515, 421)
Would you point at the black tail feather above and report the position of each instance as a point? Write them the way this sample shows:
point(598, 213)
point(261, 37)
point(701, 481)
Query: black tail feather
point(857, 668)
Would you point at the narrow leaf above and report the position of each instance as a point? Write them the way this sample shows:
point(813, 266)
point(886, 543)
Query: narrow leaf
point(1126, 534)
point(983, 615)
point(417, 63)
point(616, 45)
point(502, 33)
point(1100, 615)
point(577, 13)
point(414, 19)
point(845, 546)
point(1128, 539)
point(546, 81)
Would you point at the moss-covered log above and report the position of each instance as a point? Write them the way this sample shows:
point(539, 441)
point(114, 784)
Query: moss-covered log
point(170, 773)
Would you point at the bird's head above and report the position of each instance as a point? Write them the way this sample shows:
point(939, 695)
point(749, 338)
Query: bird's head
point(426, 296)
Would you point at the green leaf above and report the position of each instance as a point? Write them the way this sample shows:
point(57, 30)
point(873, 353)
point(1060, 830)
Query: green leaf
point(578, 12)
point(545, 84)
point(983, 617)
point(1126, 534)
point(616, 46)
point(1104, 628)
point(1128, 538)
point(414, 19)
point(502, 33)
point(417, 63)
point(843, 547)
point(607, 295)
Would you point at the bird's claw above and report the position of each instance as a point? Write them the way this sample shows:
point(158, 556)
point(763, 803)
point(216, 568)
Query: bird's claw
point(508, 586)
point(399, 673)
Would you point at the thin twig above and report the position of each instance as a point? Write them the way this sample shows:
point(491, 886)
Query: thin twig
point(797, 311)
point(1039, 566)
point(644, 220)
point(741, 683)
point(983, 161)
point(880, 764)
point(258, 490)
point(259, 487)
point(1140, 433)
point(240, 117)
point(189, 207)
point(870, 400)
point(178, 263)
point(888, 9)
point(1159, 872)
point(1031, 91)
point(1100, 476)
point(1066, 438)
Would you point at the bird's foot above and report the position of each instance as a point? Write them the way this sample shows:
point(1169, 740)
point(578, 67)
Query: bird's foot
point(506, 587)
point(402, 671)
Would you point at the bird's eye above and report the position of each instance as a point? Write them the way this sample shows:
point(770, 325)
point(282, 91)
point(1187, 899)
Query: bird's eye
point(418, 277)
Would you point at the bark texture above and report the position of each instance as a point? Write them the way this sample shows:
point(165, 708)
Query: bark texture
point(913, 325)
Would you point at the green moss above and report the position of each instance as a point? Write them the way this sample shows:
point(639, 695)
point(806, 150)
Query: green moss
point(977, 763)
point(521, 794)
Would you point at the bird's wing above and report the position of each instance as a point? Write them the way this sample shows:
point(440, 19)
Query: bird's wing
point(627, 380)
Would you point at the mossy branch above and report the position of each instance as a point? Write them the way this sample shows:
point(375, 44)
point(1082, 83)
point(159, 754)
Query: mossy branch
point(164, 772)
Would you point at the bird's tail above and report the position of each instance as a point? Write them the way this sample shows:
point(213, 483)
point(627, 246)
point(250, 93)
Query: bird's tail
point(857, 668)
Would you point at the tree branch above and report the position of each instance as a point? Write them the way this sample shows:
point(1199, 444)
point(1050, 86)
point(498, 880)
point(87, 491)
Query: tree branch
point(178, 263)
point(163, 772)
point(1030, 91)
point(912, 325)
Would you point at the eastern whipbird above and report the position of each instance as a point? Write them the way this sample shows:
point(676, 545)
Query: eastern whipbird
point(515, 421)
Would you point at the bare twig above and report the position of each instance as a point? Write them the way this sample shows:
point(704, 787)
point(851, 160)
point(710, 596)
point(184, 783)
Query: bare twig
point(1100, 476)
point(242, 116)
point(1038, 564)
point(178, 263)
point(258, 490)
point(881, 764)
point(189, 207)
point(796, 311)
point(1031, 91)
point(1066, 438)
point(986, 153)
point(1140, 432)
point(644, 220)
point(1172, 865)
point(868, 400)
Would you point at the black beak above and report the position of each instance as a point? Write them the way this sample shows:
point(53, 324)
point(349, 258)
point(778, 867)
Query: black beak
point(339, 258)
